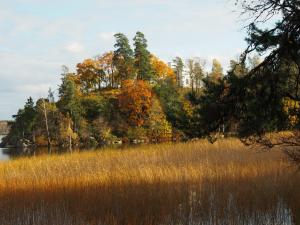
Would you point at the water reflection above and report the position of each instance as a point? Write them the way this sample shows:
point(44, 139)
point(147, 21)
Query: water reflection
point(4, 152)
point(12, 153)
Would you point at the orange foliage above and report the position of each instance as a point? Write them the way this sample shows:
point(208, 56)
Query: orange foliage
point(89, 72)
point(41, 140)
point(105, 61)
point(135, 101)
point(161, 69)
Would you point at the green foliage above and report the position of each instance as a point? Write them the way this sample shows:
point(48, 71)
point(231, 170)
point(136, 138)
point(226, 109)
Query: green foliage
point(257, 102)
point(53, 120)
point(172, 103)
point(136, 133)
point(257, 99)
point(23, 126)
point(94, 105)
point(211, 108)
point(123, 57)
point(158, 126)
point(142, 56)
point(198, 75)
point(69, 103)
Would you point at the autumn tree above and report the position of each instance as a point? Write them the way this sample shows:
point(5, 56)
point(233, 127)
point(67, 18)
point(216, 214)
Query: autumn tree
point(216, 73)
point(142, 57)
point(159, 129)
point(91, 75)
point(161, 70)
point(123, 58)
point(68, 138)
point(135, 101)
point(106, 64)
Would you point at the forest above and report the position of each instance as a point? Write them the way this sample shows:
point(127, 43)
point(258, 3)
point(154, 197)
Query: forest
point(121, 96)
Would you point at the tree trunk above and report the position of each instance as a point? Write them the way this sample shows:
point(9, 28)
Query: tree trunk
point(192, 81)
point(70, 137)
point(112, 78)
point(47, 127)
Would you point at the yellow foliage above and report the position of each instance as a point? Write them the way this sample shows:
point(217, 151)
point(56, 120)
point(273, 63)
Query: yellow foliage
point(41, 140)
point(188, 108)
point(89, 74)
point(159, 127)
point(66, 132)
point(161, 69)
point(291, 108)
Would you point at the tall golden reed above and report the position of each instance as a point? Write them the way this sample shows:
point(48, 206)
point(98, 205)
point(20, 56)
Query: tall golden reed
point(187, 183)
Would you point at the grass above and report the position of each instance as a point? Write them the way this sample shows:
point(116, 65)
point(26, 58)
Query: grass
point(187, 183)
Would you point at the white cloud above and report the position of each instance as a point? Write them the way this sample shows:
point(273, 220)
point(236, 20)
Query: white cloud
point(74, 47)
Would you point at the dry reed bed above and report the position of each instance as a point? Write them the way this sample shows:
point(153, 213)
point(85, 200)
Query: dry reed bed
point(189, 183)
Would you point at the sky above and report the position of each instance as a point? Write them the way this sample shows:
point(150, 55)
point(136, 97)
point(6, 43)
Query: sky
point(37, 37)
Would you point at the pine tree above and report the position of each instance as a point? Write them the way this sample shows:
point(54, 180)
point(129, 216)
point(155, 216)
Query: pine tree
point(123, 57)
point(142, 56)
point(69, 102)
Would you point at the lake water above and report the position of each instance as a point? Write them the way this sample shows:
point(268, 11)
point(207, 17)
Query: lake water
point(3, 151)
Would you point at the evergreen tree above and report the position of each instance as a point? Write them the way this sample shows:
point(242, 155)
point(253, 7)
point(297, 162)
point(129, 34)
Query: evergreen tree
point(258, 97)
point(123, 57)
point(142, 58)
point(172, 103)
point(24, 125)
point(69, 102)
point(51, 96)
